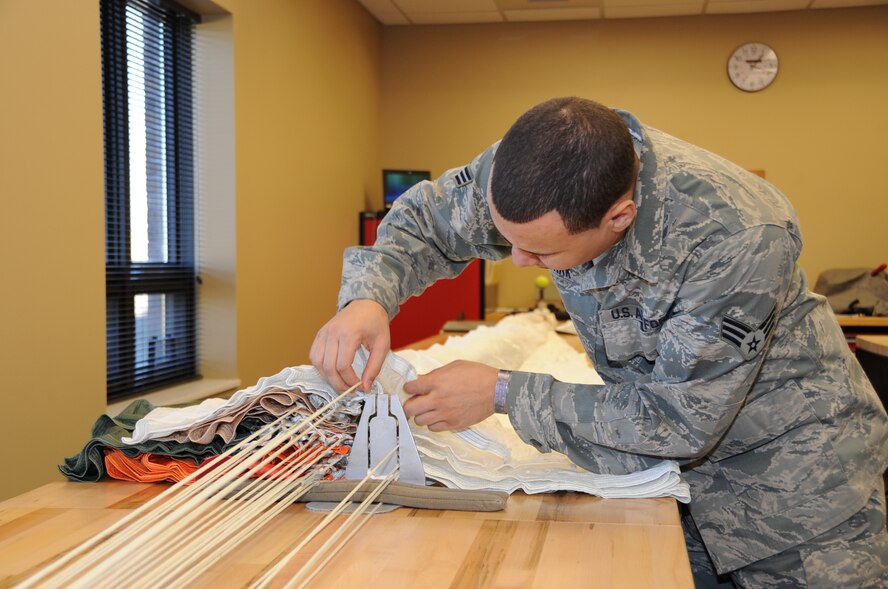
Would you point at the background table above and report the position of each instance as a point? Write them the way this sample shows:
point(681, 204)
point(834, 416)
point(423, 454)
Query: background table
point(872, 352)
point(857, 325)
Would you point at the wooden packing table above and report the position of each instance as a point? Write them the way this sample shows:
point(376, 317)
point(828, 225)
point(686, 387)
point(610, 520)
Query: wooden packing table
point(557, 540)
point(854, 326)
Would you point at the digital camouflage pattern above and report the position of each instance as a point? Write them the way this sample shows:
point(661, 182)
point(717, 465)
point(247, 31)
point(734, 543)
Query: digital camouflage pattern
point(849, 555)
point(700, 322)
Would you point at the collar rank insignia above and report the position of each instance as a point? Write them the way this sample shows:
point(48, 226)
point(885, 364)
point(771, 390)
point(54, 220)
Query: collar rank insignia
point(749, 340)
point(463, 177)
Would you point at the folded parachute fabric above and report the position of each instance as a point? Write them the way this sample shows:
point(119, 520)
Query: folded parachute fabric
point(453, 462)
point(505, 345)
point(266, 406)
point(147, 468)
point(155, 468)
point(108, 432)
point(165, 421)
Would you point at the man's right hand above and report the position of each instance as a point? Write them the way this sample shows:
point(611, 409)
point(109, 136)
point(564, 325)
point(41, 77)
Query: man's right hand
point(361, 322)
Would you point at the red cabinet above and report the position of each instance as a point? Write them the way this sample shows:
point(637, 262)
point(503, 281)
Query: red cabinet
point(450, 299)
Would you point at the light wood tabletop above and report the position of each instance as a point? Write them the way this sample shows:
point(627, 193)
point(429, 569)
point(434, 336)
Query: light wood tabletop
point(854, 326)
point(874, 344)
point(558, 540)
point(862, 321)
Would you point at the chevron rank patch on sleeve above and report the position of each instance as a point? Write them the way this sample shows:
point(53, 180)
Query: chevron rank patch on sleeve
point(463, 177)
point(749, 340)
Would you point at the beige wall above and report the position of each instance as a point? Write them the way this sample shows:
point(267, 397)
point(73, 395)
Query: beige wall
point(306, 98)
point(52, 249)
point(818, 132)
point(307, 108)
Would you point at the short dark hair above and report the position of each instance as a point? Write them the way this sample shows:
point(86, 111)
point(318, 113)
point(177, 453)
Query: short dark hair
point(571, 155)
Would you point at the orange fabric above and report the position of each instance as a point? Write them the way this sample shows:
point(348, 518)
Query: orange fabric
point(147, 468)
point(156, 468)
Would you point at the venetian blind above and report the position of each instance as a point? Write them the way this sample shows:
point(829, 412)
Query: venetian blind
point(149, 195)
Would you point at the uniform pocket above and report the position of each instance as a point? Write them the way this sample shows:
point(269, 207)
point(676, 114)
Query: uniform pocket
point(628, 334)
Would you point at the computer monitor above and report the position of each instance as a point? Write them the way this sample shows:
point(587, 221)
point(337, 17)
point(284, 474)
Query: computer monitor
point(396, 182)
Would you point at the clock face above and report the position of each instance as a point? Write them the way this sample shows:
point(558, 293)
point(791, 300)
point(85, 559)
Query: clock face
point(753, 66)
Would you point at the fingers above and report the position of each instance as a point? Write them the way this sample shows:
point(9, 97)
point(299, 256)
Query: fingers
point(333, 357)
point(424, 413)
point(454, 396)
point(315, 354)
point(328, 365)
point(333, 351)
point(415, 406)
point(344, 359)
point(378, 351)
point(442, 426)
point(421, 386)
point(323, 349)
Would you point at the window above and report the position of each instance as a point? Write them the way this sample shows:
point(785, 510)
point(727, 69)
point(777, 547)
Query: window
point(151, 277)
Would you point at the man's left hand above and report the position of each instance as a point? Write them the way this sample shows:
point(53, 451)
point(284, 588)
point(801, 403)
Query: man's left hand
point(452, 397)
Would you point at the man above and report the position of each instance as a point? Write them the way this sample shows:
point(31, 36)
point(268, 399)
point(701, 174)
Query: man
point(679, 271)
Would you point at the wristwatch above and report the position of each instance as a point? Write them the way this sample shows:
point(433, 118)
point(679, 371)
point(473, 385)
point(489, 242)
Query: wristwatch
point(501, 391)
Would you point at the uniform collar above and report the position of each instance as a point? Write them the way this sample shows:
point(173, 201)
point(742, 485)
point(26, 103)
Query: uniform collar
point(638, 253)
point(485, 163)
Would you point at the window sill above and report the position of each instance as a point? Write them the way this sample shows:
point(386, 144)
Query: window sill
point(190, 391)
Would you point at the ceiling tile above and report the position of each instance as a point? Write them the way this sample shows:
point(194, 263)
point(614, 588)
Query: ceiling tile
point(647, 3)
point(649, 10)
point(546, 4)
point(392, 12)
point(743, 6)
point(454, 18)
point(552, 14)
point(845, 3)
point(429, 6)
point(385, 12)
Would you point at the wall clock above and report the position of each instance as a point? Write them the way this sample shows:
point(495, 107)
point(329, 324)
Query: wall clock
point(753, 66)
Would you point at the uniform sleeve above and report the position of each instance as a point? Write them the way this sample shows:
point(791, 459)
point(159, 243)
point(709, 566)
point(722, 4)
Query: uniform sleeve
point(710, 350)
point(433, 231)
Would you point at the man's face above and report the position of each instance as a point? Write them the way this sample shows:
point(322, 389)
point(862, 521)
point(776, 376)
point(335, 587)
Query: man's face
point(546, 243)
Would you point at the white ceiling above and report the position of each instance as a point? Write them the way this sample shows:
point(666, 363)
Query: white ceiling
point(435, 12)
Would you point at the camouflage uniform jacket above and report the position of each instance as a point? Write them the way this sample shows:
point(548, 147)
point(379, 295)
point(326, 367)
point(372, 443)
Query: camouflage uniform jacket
point(699, 320)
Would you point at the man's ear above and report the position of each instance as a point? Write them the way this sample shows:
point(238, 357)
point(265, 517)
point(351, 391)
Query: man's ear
point(621, 215)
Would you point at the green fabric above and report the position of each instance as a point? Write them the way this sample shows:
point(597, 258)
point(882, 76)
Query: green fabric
point(89, 464)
